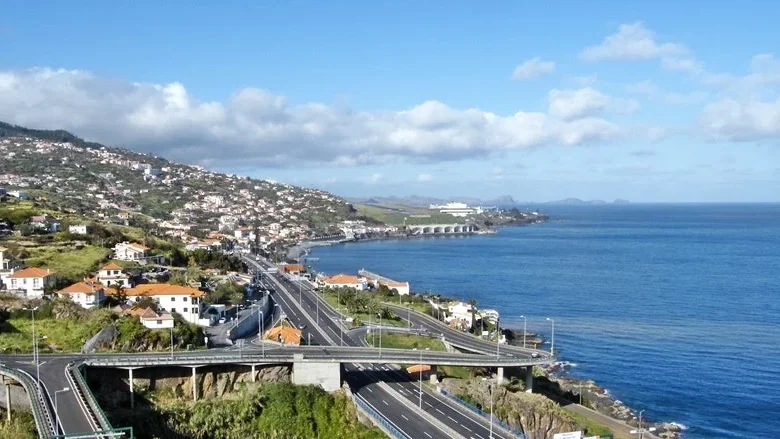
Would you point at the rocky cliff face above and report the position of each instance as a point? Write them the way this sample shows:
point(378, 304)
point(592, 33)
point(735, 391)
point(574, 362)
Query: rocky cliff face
point(211, 382)
point(535, 415)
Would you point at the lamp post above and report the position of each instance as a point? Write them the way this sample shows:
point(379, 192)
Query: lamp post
point(380, 335)
point(498, 341)
point(525, 325)
point(641, 428)
point(552, 343)
point(56, 413)
point(420, 390)
point(262, 331)
point(174, 323)
point(490, 390)
point(35, 347)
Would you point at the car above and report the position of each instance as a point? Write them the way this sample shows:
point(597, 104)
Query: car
point(222, 320)
point(535, 355)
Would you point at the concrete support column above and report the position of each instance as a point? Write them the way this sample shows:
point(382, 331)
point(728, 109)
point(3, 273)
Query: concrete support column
point(130, 384)
point(253, 373)
point(500, 375)
point(529, 379)
point(8, 399)
point(194, 384)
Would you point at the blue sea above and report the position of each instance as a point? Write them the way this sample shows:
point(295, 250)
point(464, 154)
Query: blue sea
point(673, 308)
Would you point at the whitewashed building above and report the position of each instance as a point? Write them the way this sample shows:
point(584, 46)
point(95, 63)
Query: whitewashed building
point(126, 251)
point(186, 301)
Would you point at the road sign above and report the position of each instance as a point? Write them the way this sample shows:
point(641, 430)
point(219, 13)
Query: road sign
point(569, 435)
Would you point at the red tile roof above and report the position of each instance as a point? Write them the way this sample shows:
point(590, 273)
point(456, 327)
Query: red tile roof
point(163, 290)
point(31, 272)
point(111, 266)
point(81, 287)
point(342, 279)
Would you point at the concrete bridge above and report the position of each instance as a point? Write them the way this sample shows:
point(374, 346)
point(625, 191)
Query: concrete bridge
point(442, 229)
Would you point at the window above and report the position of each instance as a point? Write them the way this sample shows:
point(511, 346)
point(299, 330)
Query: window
point(194, 310)
point(184, 299)
point(173, 299)
point(194, 300)
point(173, 309)
point(159, 323)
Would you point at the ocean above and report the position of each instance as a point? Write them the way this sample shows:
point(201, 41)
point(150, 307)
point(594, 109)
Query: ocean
point(674, 309)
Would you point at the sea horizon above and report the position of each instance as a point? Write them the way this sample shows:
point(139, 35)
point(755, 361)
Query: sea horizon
point(640, 298)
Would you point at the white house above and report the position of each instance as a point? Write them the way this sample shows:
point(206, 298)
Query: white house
point(31, 282)
point(153, 320)
point(454, 209)
point(112, 275)
point(79, 229)
point(401, 287)
point(87, 294)
point(490, 315)
point(345, 280)
point(186, 301)
point(125, 251)
point(461, 312)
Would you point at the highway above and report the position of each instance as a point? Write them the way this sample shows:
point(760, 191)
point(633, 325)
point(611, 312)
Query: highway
point(391, 392)
point(370, 372)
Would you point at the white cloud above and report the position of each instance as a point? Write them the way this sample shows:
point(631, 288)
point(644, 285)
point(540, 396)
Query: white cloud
point(424, 177)
point(584, 102)
point(687, 65)
point(533, 68)
point(255, 127)
point(586, 81)
point(631, 42)
point(690, 98)
point(646, 88)
point(375, 178)
point(498, 170)
point(733, 120)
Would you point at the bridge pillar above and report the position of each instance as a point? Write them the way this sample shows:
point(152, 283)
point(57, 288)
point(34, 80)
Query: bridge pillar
point(500, 375)
point(253, 373)
point(7, 398)
point(194, 383)
point(130, 384)
point(529, 379)
point(326, 375)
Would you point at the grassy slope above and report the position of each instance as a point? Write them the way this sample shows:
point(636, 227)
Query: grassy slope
point(71, 264)
point(395, 215)
point(406, 341)
point(332, 299)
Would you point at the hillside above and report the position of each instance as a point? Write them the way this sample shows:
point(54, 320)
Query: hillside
point(66, 173)
point(421, 201)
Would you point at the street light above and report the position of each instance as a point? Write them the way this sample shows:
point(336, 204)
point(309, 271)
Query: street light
point(35, 347)
point(380, 335)
point(262, 330)
point(552, 343)
point(525, 325)
point(174, 324)
point(56, 413)
point(490, 390)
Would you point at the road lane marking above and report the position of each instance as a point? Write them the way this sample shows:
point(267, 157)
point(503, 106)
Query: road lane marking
point(369, 389)
point(453, 419)
point(403, 416)
point(426, 433)
point(385, 403)
point(440, 411)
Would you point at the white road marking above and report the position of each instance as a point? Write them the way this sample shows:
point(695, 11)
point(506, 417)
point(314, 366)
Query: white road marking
point(453, 419)
point(385, 403)
point(404, 417)
point(426, 433)
point(440, 411)
point(369, 389)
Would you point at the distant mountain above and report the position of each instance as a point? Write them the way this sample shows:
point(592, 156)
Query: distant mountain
point(421, 201)
point(579, 202)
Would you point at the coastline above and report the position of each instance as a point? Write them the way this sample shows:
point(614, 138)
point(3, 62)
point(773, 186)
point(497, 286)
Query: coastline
point(598, 398)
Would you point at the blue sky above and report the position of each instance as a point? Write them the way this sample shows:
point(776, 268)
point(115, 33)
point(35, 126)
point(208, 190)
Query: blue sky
point(537, 100)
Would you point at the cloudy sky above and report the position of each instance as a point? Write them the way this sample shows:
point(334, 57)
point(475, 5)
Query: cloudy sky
point(659, 101)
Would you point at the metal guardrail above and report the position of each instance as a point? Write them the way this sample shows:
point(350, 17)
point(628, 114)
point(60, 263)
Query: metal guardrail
point(389, 427)
point(44, 422)
point(84, 393)
point(480, 412)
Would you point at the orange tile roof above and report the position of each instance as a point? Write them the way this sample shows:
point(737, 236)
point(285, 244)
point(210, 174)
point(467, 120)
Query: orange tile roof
point(293, 267)
point(394, 283)
point(289, 335)
point(80, 287)
point(342, 279)
point(111, 266)
point(138, 246)
point(163, 290)
point(31, 272)
point(144, 313)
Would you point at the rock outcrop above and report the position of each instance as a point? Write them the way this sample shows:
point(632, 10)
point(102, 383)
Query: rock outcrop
point(535, 415)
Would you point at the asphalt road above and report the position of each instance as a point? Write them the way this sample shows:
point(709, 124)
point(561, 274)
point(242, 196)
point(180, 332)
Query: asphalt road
point(364, 379)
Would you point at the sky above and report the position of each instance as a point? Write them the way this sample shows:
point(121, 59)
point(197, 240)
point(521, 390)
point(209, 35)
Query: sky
point(646, 101)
